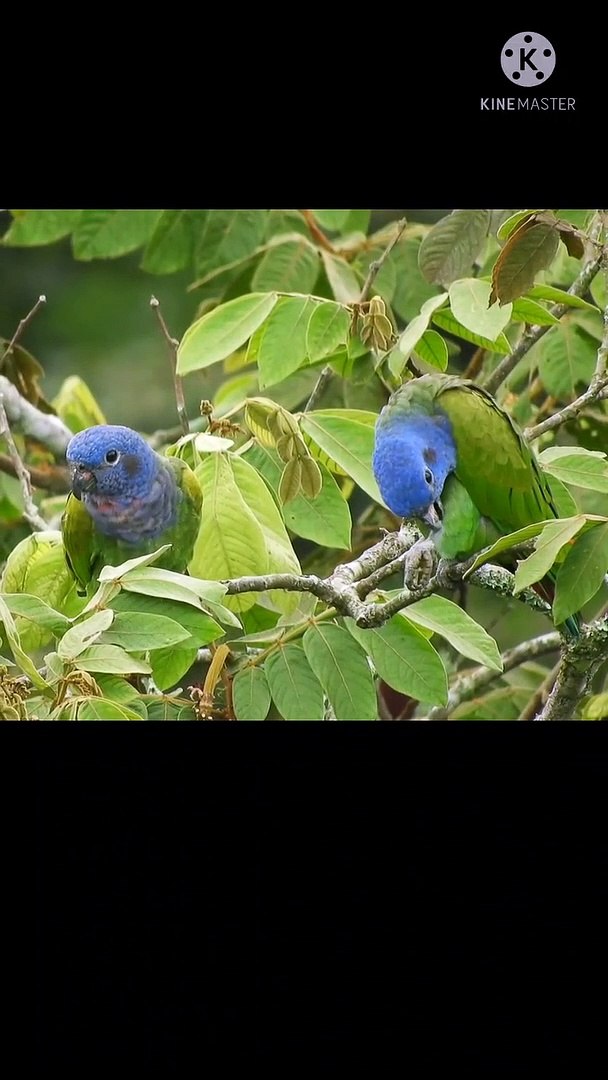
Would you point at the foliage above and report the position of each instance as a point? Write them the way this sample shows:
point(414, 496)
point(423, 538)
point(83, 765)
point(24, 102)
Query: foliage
point(310, 319)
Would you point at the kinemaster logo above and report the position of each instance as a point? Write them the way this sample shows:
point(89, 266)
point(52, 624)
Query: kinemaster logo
point(527, 60)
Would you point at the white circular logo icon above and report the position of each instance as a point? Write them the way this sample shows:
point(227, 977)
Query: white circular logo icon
point(527, 59)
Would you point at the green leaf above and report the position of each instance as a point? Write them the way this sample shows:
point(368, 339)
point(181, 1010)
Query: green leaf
point(282, 344)
point(115, 573)
point(577, 466)
point(37, 566)
point(411, 289)
point(21, 657)
point(582, 572)
point(446, 321)
point(328, 328)
point(342, 278)
point(564, 503)
point(34, 227)
point(33, 609)
point(528, 311)
point(470, 300)
point(118, 689)
point(548, 546)
point(76, 405)
point(530, 249)
point(334, 220)
point(250, 694)
point(385, 279)
point(221, 331)
point(595, 707)
point(347, 437)
point(432, 349)
point(83, 634)
point(505, 543)
point(405, 659)
point(106, 234)
point(342, 668)
point(292, 266)
point(138, 631)
point(171, 245)
point(111, 659)
point(512, 223)
point(228, 237)
point(171, 586)
point(200, 627)
point(443, 617)
point(413, 333)
point(566, 358)
point(170, 664)
point(295, 688)
point(502, 704)
point(559, 296)
point(100, 708)
point(450, 248)
point(325, 519)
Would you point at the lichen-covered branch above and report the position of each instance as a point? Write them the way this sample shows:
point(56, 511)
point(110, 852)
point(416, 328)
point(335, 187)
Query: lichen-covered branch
point(30, 510)
point(25, 417)
point(579, 663)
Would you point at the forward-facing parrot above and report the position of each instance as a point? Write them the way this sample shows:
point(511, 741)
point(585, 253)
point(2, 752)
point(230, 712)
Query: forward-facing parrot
point(126, 500)
point(446, 453)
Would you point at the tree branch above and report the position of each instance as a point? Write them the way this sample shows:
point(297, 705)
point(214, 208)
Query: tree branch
point(23, 323)
point(44, 427)
point(53, 478)
point(373, 270)
point(470, 683)
point(30, 510)
point(172, 346)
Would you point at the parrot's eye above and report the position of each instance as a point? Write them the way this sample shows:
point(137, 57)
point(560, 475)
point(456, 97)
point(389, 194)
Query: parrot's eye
point(112, 457)
point(428, 476)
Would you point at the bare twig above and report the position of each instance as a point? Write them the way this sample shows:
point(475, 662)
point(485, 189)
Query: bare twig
point(468, 684)
point(172, 345)
point(23, 323)
point(372, 273)
point(316, 232)
point(44, 427)
point(30, 511)
point(540, 695)
point(53, 478)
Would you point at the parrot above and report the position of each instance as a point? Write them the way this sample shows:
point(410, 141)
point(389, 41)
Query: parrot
point(126, 500)
point(446, 453)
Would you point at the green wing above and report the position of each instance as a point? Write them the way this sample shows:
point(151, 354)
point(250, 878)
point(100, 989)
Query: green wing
point(80, 542)
point(495, 464)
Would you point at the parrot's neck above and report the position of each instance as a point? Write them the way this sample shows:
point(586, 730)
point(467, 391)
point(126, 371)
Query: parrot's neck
point(139, 517)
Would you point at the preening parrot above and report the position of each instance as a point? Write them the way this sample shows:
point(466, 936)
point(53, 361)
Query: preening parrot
point(446, 453)
point(126, 500)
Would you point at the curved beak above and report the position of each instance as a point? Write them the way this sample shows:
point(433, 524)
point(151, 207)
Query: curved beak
point(434, 515)
point(83, 480)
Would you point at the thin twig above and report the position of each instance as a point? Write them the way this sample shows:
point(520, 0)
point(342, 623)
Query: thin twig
point(374, 268)
point(53, 478)
point(172, 345)
point(30, 512)
point(317, 233)
point(540, 695)
point(23, 323)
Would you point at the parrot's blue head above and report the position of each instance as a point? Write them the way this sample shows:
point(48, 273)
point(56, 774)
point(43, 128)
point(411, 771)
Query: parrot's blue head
point(413, 455)
point(111, 461)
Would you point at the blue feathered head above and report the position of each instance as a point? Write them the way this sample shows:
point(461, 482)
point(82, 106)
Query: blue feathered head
point(413, 455)
point(111, 461)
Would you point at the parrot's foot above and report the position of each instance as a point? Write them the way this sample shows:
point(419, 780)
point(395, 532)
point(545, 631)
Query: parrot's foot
point(420, 564)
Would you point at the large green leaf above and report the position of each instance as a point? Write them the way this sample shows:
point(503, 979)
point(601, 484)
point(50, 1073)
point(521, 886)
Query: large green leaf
point(577, 466)
point(111, 659)
point(32, 227)
point(528, 311)
point(292, 266)
point(37, 566)
point(506, 703)
point(411, 287)
point(171, 245)
point(334, 220)
point(106, 234)
point(505, 543)
point(100, 708)
point(281, 346)
point(413, 333)
point(171, 663)
point(227, 237)
point(14, 641)
point(582, 572)
point(560, 296)
point(250, 694)
point(566, 358)
point(200, 627)
point(446, 321)
point(450, 248)
point(470, 300)
point(79, 637)
point(295, 689)
point(342, 668)
point(342, 278)
point(548, 546)
point(443, 617)
point(405, 659)
point(136, 630)
point(33, 609)
point(221, 331)
point(347, 437)
point(328, 328)
point(433, 350)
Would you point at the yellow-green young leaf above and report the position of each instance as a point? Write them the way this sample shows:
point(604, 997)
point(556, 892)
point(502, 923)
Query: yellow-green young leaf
point(450, 248)
point(222, 331)
point(513, 222)
point(111, 659)
point(250, 694)
point(342, 278)
point(83, 634)
point(118, 689)
point(577, 466)
point(506, 703)
point(347, 437)
point(76, 405)
point(528, 311)
point(37, 566)
point(135, 631)
point(324, 519)
point(566, 358)
point(582, 572)
point(282, 344)
point(560, 296)
point(445, 618)
point(506, 542)
point(33, 227)
point(291, 480)
point(170, 664)
point(445, 320)
point(259, 415)
point(33, 609)
point(530, 248)
point(433, 350)
point(289, 267)
point(548, 546)
point(328, 328)
point(21, 657)
point(404, 658)
point(100, 708)
point(342, 668)
point(595, 707)
point(312, 479)
point(106, 234)
point(470, 303)
point(296, 691)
